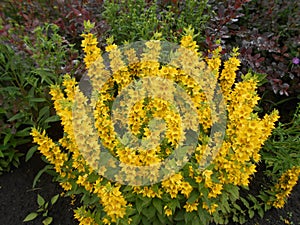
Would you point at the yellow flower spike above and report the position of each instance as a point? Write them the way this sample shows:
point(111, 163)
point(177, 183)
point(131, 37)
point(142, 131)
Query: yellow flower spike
point(89, 45)
point(285, 185)
point(88, 26)
point(228, 75)
point(214, 62)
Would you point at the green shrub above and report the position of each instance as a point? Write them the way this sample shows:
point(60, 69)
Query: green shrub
point(135, 20)
point(24, 83)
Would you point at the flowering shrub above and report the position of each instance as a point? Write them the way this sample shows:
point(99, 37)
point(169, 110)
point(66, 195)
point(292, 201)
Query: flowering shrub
point(281, 156)
point(206, 187)
point(285, 185)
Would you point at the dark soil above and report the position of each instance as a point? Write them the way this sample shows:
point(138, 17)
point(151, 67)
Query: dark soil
point(18, 199)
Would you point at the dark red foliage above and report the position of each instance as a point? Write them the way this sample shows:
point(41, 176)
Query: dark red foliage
point(267, 33)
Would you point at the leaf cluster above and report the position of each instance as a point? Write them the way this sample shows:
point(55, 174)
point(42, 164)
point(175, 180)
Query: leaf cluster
point(43, 209)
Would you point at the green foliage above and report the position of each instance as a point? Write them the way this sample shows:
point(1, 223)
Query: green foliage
point(282, 151)
point(24, 87)
point(48, 49)
point(134, 20)
point(43, 209)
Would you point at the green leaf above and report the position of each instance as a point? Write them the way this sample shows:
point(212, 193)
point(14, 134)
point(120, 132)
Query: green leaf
point(39, 174)
point(196, 221)
point(40, 200)
point(261, 212)
point(23, 133)
point(188, 217)
point(136, 219)
point(54, 118)
point(237, 207)
point(149, 212)
point(146, 221)
point(162, 218)
point(16, 117)
point(157, 204)
point(242, 219)
point(251, 213)
point(217, 218)
point(7, 137)
point(203, 215)
point(193, 196)
point(30, 152)
point(2, 111)
point(174, 204)
point(37, 99)
point(54, 199)
point(139, 205)
point(245, 202)
point(43, 112)
point(233, 191)
point(179, 216)
point(47, 221)
point(30, 216)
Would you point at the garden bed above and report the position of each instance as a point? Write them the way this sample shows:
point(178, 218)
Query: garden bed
point(245, 43)
point(18, 199)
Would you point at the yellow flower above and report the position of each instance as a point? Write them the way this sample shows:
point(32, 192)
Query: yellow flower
point(215, 190)
point(190, 207)
point(111, 47)
point(167, 211)
point(211, 209)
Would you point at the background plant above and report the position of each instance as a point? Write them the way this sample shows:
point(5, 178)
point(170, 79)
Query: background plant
point(25, 81)
point(21, 17)
point(136, 20)
point(266, 33)
point(281, 157)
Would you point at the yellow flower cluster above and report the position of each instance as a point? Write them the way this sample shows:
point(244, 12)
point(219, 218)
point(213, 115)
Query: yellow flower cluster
point(113, 201)
point(211, 209)
point(167, 211)
point(84, 217)
point(148, 192)
point(175, 184)
point(233, 163)
point(89, 45)
point(188, 42)
point(190, 207)
point(285, 185)
point(246, 132)
point(111, 198)
point(214, 62)
point(49, 149)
